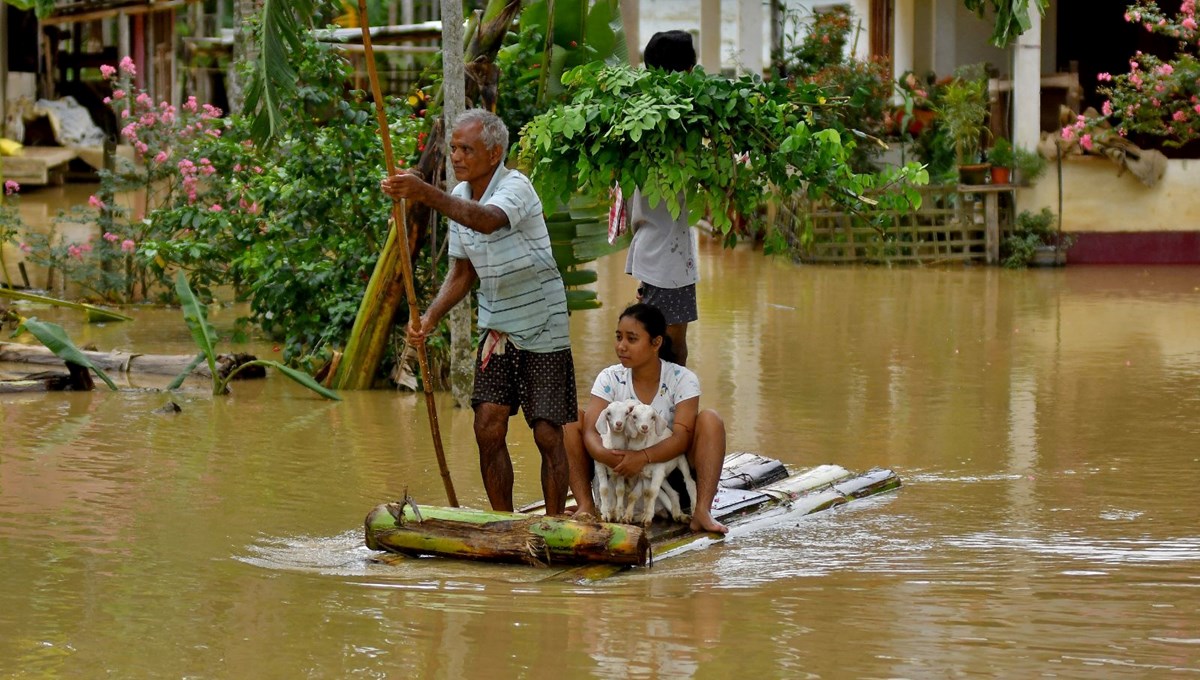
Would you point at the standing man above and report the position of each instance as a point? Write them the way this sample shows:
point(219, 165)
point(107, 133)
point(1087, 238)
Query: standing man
point(498, 238)
point(662, 254)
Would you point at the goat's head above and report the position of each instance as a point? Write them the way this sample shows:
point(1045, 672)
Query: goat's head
point(613, 417)
point(643, 420)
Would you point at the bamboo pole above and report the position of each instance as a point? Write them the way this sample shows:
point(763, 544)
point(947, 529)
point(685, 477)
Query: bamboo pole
point(400, 231)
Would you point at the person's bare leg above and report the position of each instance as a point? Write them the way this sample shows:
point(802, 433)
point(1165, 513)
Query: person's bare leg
point(706, 458)
point(491, 428)
point(580, 464)
point(678, 334)
point(549, 439)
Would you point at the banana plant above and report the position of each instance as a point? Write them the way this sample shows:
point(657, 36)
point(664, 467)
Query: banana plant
point(56, 340)
point(195, 314)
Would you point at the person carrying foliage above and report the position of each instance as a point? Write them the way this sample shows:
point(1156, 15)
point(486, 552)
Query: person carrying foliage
point(498, 239)
point(662, 254)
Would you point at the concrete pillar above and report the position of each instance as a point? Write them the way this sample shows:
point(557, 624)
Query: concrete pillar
point(945, 47)
point(1027, 85)
point(904, 37)
point(750, 37)
point(631, 13)
point(710, 35)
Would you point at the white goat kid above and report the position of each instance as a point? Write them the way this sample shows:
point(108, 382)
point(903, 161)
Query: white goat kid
point(645, 428)
point(613, 435)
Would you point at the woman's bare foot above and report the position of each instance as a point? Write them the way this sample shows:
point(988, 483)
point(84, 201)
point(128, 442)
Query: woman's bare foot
point(703, 521)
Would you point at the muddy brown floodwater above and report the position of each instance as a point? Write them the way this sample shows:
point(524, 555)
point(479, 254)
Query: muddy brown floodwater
point(1046, 425)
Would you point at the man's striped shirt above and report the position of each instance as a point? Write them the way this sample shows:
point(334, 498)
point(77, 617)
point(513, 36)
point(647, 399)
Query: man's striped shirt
point(520, 290)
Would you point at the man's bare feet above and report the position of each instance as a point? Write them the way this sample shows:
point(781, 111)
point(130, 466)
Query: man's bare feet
point(585, 512)
point(702, 521)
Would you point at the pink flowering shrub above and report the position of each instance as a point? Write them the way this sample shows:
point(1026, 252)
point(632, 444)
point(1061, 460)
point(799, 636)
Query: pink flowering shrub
point(1155, 97)
point(161, 173)
point(10, 223)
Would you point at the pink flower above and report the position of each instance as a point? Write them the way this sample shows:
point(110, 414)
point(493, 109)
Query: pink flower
point(128, 245)
point(118, 94)
point(1104, 77)
point(110, 237)
point(216, 207)
point(75, 252)
point(1166, 70)
point(1189, 23)
point(1086, 142)
point(161, 157)
point(1107, 108)
point(128, 67)
point(1068, 134)
point(107, 71)
point(11, 187)
point(95, 202)
point(26, 248)
point(1178, 116)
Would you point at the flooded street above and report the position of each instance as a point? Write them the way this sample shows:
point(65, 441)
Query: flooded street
point(1046, 425)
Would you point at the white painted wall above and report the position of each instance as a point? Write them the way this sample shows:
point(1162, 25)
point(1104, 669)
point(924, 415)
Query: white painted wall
point(1095, 199)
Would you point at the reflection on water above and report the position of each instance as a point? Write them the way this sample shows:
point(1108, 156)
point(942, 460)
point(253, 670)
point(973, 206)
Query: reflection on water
point(1045, 424)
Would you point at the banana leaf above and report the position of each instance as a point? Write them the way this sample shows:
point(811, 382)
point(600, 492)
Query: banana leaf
point(93, 312)
point(196, 316)
point(55, 339)
point(298, 376)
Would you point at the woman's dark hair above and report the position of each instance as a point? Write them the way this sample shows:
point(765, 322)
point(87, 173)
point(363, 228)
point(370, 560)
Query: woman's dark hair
point(670, 51)
point(656, 327)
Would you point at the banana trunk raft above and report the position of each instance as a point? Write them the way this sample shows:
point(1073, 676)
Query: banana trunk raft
point(753, 489)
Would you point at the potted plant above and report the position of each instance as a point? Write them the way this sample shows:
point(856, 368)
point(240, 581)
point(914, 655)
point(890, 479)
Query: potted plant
point(1001, 157)
point(963, 111)
point(1035, 242)
point(1028, 166)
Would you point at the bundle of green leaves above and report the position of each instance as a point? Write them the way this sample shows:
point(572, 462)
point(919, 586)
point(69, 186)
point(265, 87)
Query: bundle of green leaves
point(728, 145)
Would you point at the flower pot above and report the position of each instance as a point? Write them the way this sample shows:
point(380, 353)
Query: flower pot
point(921, 120)
point(1001, 174)
point(973, 174)
point(1048, 256)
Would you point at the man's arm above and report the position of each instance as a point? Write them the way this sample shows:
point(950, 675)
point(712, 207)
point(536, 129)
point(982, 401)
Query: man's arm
point(476, 216)
point(458, 283)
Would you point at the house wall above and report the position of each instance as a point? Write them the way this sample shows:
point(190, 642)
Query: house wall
point(1117, 219)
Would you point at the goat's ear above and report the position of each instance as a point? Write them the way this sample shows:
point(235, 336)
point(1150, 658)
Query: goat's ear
point(602, 422)
point(660, 425)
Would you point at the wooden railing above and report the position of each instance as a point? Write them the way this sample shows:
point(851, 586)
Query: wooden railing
point(950, 226)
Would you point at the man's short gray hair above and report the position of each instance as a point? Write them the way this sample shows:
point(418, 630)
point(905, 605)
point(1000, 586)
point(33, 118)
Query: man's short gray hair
point(492, 130)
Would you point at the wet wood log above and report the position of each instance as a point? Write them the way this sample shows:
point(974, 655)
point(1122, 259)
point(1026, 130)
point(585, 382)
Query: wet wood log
point(124, 362)
point(508, 537)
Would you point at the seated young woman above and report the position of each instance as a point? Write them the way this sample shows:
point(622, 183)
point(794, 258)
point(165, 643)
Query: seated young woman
point(648, 374)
